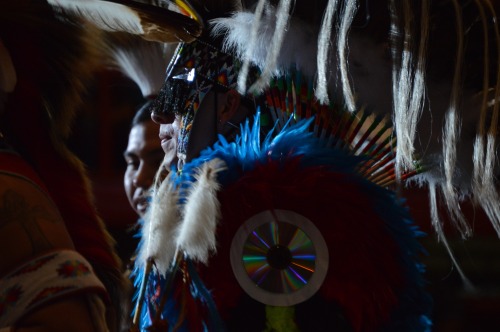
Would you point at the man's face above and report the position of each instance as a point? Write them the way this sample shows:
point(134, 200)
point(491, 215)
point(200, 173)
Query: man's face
point(143, 156)
point(189, 92)
point(184, 94)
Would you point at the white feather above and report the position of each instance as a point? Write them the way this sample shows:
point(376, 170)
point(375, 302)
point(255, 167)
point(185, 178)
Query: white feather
point(106, 15)
point(160, 227)
point(299, 49)
point(145, 62)
point(197, 237)
point(242, 77)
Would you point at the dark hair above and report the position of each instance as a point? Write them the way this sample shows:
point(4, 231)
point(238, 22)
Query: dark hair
point(143, 114)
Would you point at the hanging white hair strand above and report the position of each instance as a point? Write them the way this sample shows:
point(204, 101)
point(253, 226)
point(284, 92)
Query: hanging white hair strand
point(484, 163)
point(417, 101)
point(438, 227)
point(402, 88)
point(345, 24)
point(282, 21)
point(451, 133)
point(242, 77)
point(324, 42)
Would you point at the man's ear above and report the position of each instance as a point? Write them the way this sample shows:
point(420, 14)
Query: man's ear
point(231, 105)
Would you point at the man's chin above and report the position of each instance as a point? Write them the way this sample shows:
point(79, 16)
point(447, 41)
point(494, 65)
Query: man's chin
point(170, 159)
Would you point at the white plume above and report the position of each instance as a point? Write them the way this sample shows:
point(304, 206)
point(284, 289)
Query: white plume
point(242, 77)
point(108, 16)
point(144, 62)
point(196, 237)
point(299, 49)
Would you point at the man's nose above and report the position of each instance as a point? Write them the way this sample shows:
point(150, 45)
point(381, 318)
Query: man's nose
point(143, 178)
point(162, 117)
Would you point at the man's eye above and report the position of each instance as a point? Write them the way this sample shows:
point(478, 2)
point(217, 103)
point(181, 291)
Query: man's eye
point(132, 162)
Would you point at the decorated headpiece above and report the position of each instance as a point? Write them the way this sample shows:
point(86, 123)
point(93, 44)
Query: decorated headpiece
point(196, 69)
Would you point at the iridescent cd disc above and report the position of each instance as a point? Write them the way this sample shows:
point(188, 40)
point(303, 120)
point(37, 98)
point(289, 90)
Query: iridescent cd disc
point(279, 257)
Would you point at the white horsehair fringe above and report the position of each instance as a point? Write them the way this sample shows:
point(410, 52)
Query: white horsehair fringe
point(409, 88)
point(451, 133)
point(346, 21)
point(485, 158)
point(446, 162)
point(324, 41)
point(437, 225)
point(282, 19)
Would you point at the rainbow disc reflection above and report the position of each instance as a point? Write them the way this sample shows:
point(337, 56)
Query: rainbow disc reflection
point(279, 257)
